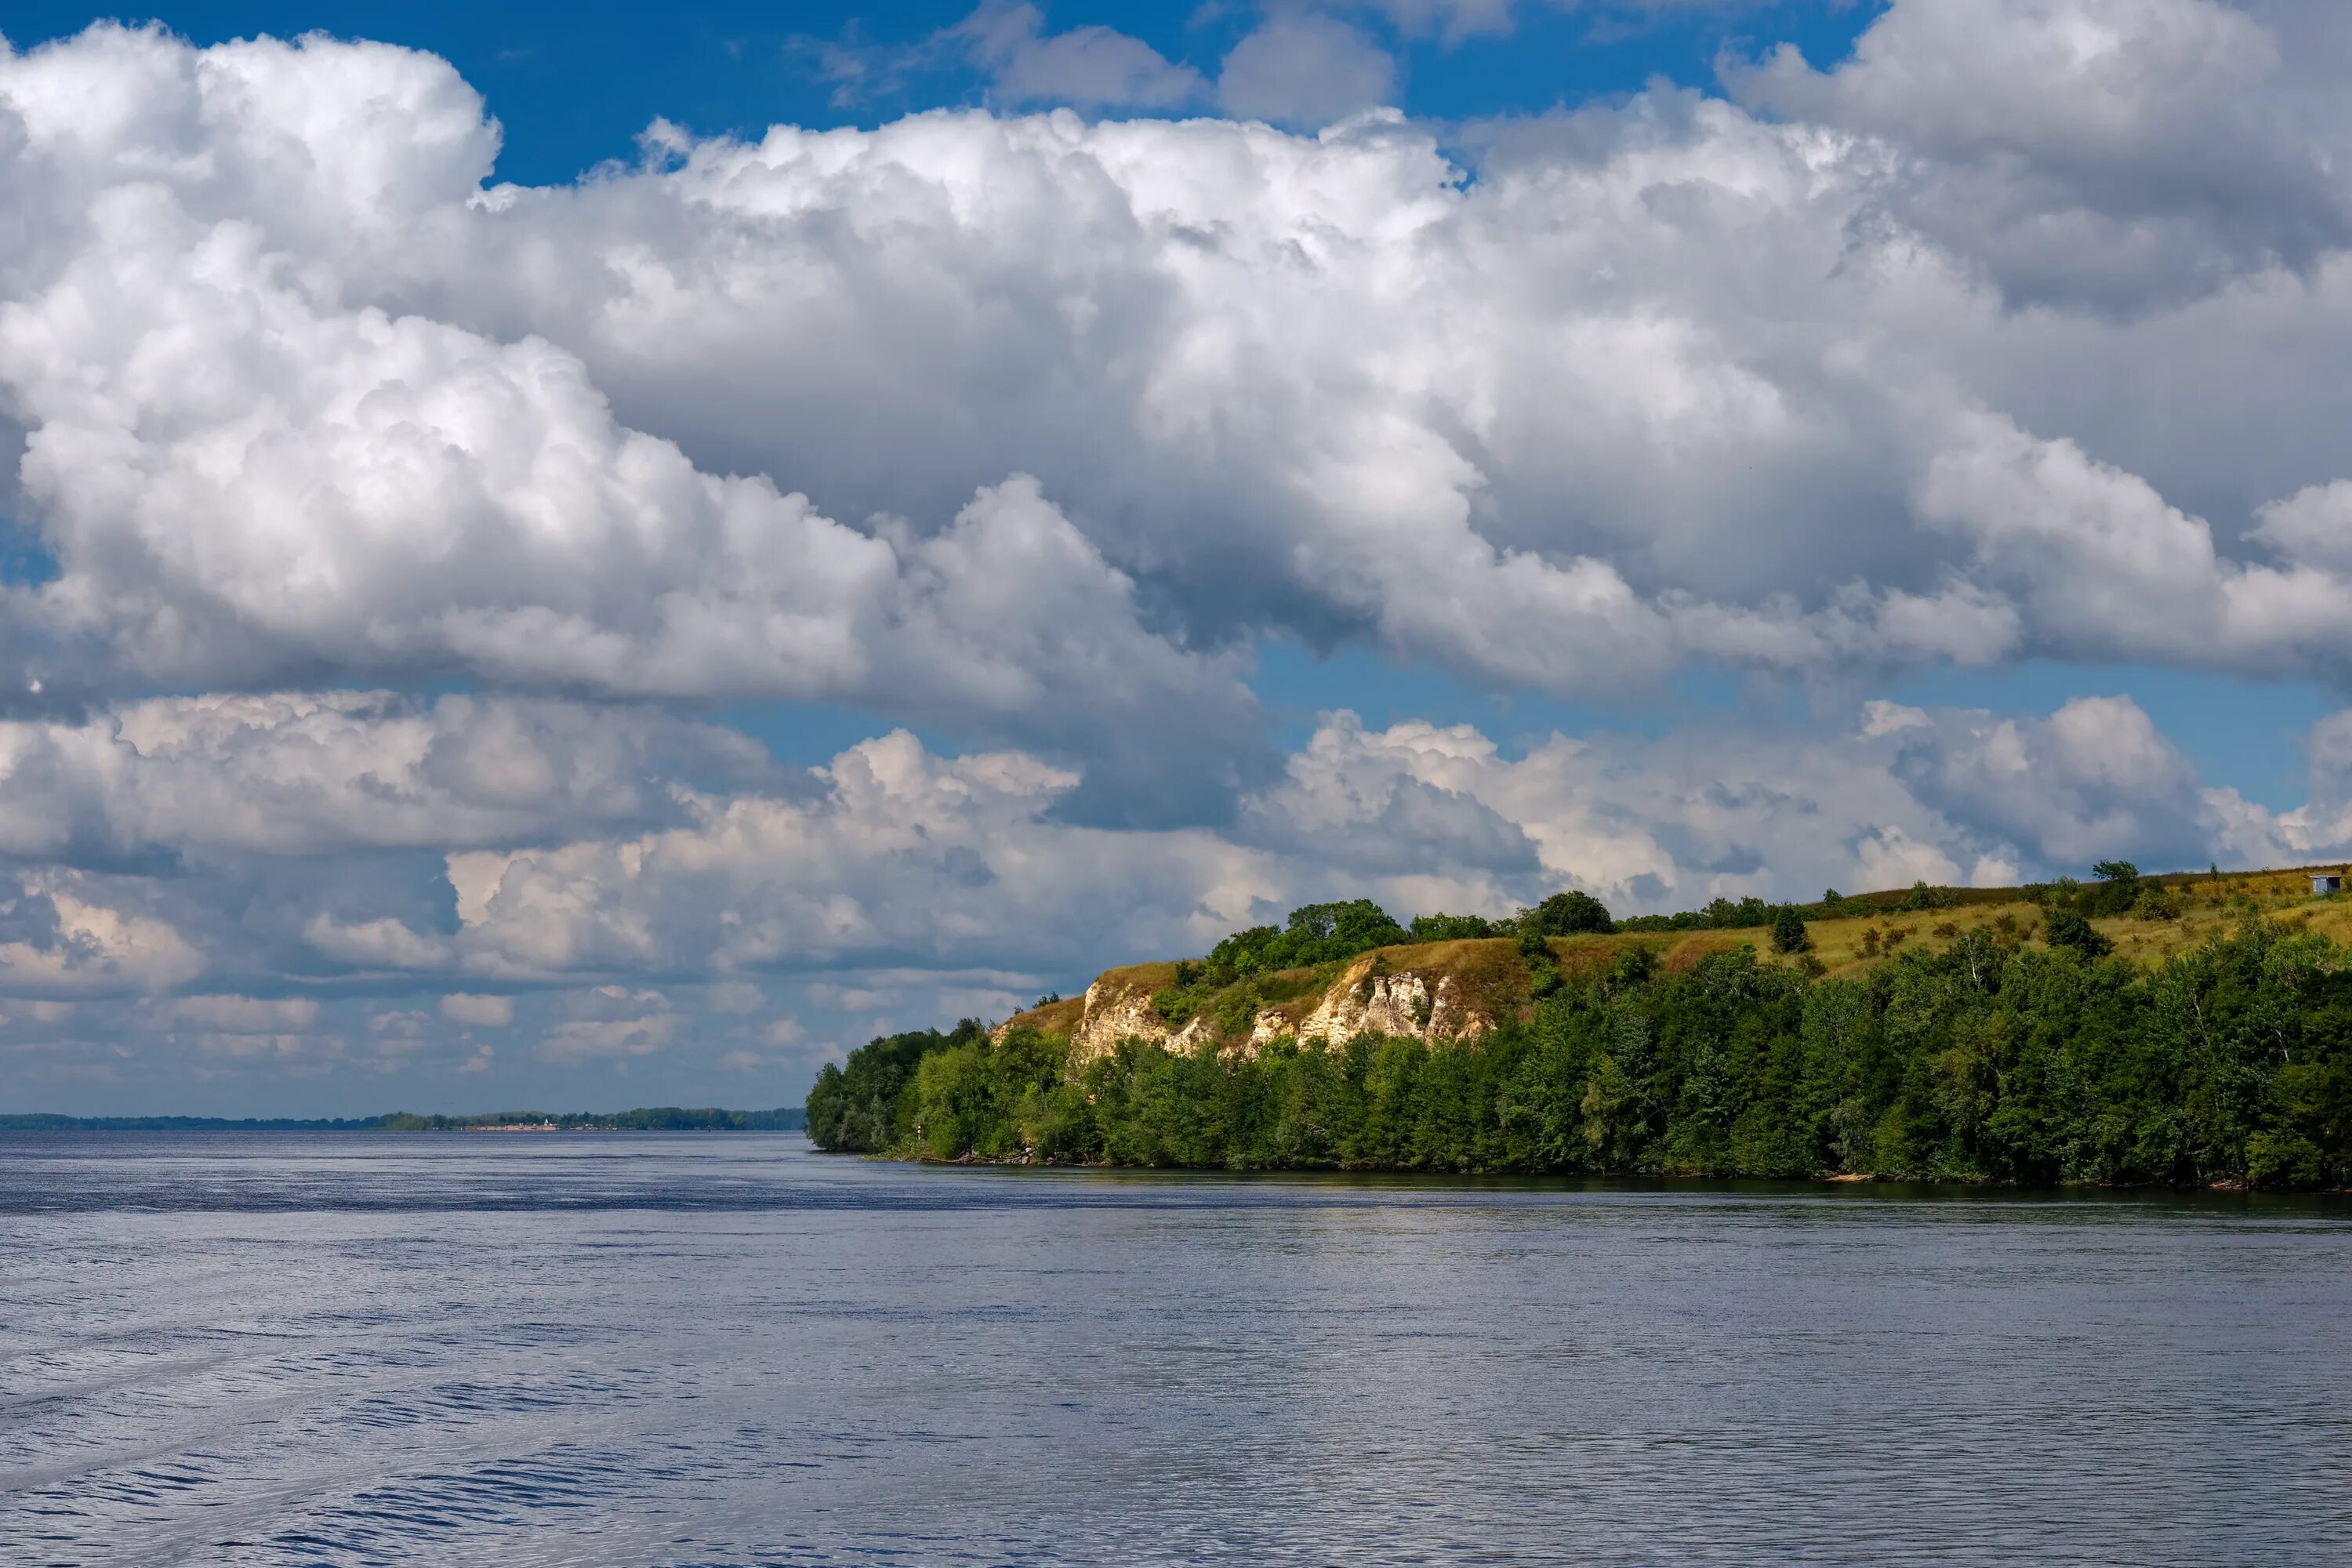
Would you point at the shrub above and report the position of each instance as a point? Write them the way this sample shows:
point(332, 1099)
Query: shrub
point(1176, 1005)
point(2117, 890)
point(1923, 897)
point(1543, 969)
point(2068, 929)
point(2283, 1160)
point(1789, 933)
point(1237, 1009)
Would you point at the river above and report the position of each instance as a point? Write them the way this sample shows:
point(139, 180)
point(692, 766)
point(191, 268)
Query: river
point(622, 1350)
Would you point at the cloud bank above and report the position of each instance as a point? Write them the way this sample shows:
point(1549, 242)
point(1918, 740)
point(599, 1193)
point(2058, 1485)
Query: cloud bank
point(397, 541)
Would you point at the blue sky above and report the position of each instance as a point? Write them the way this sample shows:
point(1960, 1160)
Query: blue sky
point(523, 584)
point(573, 85)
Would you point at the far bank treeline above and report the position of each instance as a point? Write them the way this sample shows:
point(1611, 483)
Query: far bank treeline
point(1993, 1059)
point(646, 1119)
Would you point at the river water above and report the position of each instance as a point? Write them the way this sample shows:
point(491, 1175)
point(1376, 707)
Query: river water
point(649, 1350)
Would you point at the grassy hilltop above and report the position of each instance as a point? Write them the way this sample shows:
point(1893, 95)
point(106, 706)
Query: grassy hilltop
point(2142, 919)
point(2191, 1029)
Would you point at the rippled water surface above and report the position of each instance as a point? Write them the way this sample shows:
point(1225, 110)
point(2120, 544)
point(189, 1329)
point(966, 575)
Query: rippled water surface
point(625, 1350)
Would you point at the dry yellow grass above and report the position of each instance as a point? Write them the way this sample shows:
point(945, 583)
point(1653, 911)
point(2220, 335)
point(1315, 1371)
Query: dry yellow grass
point(2207, 904)
point(1144, 977)
point(1055, 1018)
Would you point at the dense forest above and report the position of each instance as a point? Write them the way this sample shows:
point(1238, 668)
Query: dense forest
point(1992, 1059)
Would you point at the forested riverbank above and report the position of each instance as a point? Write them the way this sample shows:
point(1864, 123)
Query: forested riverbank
point(1989, 1059)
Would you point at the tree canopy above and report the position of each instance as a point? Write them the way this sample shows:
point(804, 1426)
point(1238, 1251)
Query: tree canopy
point(1991, 1060)
point(1567, 914)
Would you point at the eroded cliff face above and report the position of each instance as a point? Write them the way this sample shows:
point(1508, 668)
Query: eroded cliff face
point(1118, 1011)
point(1368, 996)
point(1426, 1007)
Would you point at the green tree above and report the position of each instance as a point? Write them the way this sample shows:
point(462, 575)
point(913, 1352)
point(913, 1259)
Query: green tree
point(1450, 927)
point(2118, 888)
point(1789, 933)
point(861, 1106)
point(1316, 933)
point(1571, 913)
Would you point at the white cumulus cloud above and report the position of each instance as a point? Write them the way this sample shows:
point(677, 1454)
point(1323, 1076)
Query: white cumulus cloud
point(409, 543)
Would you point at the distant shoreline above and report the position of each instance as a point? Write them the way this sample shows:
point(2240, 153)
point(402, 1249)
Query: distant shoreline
point(644, 1118)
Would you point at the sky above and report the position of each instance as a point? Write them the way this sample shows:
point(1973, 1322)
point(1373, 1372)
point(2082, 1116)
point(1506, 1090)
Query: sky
point(586, 557)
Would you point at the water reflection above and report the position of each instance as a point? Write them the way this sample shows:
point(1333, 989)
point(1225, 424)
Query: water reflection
point(350, 1349)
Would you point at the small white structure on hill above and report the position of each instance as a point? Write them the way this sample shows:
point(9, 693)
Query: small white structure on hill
point(2324, 882)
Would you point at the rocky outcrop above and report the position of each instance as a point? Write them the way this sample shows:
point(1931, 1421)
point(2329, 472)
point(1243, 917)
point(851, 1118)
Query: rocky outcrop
point(1124, 1011)
point(1426, 1006)
point(1368, 1001)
